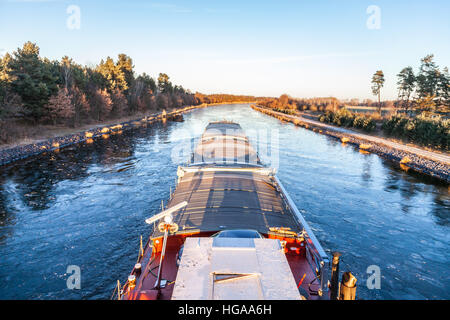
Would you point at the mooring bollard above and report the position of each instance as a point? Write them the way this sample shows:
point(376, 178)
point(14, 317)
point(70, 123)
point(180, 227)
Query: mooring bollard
point(348, 287)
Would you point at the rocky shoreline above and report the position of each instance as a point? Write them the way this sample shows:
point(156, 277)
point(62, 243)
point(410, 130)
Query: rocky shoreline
point(21, 152)
point(24, 151)
point(406, 160)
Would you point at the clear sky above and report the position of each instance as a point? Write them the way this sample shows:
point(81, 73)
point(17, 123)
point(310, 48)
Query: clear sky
point(265, 48)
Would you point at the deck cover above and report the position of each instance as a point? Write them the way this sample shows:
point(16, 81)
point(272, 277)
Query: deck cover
point(230, 200)
point(234, 268)
point(225, 143)
point(221, 195)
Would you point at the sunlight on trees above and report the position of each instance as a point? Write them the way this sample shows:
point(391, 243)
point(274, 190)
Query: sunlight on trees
point(377, 84)
point(35, 90)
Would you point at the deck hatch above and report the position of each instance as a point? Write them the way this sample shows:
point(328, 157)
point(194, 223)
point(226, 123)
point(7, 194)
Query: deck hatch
point(234, 268)
point(235, 243)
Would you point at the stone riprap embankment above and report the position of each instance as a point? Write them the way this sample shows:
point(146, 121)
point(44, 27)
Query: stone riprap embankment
point(427, 162)
point(25, 151)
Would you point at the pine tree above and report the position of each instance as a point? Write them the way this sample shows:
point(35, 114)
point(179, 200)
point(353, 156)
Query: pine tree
point(377, 84)
point(118, 75)
point(444, 90)
point(428, 77)
point(101, 104)
point(33, 79)
point(164, 85)
point(125, 66)
point(119, 103)
point(406, 86)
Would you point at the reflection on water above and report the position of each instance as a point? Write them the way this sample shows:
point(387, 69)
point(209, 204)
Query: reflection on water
point(85, 205)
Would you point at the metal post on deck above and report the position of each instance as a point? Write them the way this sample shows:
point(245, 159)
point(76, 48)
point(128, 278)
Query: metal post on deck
point(324, 274)
point(168, 223)
point(161, 260)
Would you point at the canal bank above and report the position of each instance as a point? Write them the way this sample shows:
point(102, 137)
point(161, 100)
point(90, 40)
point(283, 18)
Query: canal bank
point(86, 206)
point(24, 151)
point(408, 158)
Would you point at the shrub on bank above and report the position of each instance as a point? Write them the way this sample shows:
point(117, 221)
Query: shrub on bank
point(365, 123)
point(425, 129)
point(345, 118)
point(428, 130)
point(285, 110)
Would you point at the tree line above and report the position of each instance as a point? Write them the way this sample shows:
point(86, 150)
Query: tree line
point(428, 89)
point(290, 105)
point(223, 98)
point(37, 90)
point(422, 95)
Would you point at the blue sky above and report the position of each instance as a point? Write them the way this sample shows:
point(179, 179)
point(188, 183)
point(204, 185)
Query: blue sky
point(264, 48)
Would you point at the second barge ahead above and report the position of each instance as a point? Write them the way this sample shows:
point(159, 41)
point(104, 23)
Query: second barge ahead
point(229, 231)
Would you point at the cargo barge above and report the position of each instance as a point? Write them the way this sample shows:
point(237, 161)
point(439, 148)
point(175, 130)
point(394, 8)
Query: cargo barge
point(231, 231)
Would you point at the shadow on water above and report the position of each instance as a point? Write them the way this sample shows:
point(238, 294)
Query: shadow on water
point(408, 183)
point(411, 184)
point(441, 210)
point(6, 214)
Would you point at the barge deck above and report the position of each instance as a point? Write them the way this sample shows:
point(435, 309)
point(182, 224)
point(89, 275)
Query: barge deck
point(226, 188)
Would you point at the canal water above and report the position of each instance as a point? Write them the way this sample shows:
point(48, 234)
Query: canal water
point(85, 206)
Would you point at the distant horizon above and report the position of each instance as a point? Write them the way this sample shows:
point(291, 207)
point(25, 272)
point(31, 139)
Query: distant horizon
point(264, 49)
